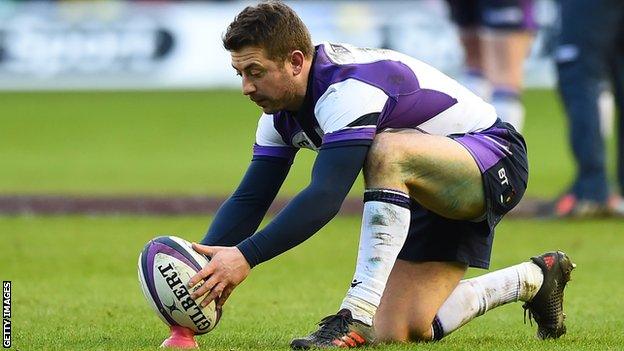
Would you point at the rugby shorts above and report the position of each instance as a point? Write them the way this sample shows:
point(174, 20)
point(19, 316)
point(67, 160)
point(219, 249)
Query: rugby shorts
point(496, 14)
point(501, 154)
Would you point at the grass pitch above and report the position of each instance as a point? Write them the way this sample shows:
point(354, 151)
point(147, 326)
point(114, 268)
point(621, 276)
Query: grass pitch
point(74, 279)
point(186, 143)
point(75, 286)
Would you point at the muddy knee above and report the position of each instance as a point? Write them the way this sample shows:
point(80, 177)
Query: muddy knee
point(384, 152)
point(383, 162)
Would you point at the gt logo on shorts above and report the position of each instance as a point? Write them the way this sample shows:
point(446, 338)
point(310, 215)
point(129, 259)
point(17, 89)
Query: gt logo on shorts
point(508, 192)
point(503, 176)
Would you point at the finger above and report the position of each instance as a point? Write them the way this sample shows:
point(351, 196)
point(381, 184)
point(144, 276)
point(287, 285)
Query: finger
point(224, 296)
point(201, 275)
point(206, 287)
point(214, 293)
point(207, 250)
point(204, 249)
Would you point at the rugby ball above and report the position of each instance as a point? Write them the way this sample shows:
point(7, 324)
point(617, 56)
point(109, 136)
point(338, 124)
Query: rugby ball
point(166, 264)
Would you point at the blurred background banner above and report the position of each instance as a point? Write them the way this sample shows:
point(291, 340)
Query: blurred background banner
point(177, 45)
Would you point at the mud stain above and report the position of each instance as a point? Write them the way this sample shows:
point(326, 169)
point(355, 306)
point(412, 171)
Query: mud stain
point(375, 260)
point(385, 239)
point(378, 219)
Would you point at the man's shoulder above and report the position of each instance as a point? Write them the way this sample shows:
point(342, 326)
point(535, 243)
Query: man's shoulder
point(348, 54)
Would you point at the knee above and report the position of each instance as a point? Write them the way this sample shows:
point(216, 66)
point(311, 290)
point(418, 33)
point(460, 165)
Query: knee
point(400, 328)
point(381, 163)
point(402, 332)
point(384, 152)
point(391, 324)
point(384, 162)
point(391, 333)
point(420, 332)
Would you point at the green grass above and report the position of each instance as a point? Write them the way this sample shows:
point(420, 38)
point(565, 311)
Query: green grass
point(129, 143)
point(75, 286)
point(186, 143)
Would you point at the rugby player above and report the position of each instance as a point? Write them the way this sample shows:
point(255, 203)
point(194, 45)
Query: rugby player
point(584, 59)
point(440, 170)
point(496, 36)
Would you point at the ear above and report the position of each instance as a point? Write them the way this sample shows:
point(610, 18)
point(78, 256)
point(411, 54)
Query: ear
point(297, 58)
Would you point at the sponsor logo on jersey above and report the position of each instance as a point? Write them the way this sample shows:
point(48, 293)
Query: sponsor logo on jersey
point(301, 140)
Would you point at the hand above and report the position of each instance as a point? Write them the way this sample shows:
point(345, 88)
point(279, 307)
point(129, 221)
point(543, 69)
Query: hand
point(227, 268)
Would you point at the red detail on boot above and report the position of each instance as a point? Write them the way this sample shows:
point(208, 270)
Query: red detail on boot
point(181, 337)
point(549, 260)
point(565, 205)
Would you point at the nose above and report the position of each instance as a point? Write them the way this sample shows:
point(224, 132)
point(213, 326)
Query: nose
point(248, 87)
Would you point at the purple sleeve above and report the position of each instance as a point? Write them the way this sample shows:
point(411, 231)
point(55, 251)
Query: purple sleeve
point(364, 133)
point(285, 152)
point(361, 131)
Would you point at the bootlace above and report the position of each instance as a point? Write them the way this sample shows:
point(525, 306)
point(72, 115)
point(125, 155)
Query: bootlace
point(334, 326)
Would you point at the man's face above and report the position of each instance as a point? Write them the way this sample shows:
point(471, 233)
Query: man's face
point(270, 84)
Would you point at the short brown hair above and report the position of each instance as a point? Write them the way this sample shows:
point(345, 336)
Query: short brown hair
point(272, 26)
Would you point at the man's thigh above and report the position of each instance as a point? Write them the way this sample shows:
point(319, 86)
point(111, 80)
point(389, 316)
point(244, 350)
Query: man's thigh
point(413, 295)
point(439, 172)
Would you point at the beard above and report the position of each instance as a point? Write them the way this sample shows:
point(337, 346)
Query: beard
point(280, 95)
point(285, 101)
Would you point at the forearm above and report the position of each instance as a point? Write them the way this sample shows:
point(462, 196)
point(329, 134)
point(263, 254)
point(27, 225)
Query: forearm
point(333, 175)
point(303, 217)
point(234, 221)
point(241, 214)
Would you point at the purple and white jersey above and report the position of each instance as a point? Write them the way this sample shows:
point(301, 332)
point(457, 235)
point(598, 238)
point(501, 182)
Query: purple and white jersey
point(354, 93)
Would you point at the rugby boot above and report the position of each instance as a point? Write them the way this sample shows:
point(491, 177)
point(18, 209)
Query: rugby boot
point(569, 206)
point(338, 330)
point(616, 206)
point(546, 307)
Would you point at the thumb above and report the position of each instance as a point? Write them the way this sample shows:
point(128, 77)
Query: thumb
point(209, 251)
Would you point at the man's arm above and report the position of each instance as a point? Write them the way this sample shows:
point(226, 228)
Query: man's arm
point(241, 214)
point(334, 172)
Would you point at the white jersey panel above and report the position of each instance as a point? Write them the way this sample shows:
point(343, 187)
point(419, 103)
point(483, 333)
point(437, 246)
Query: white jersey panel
point(345, 102)
point(471, 113)
point(346, 54)
point(452, 121)
point(266, 135)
